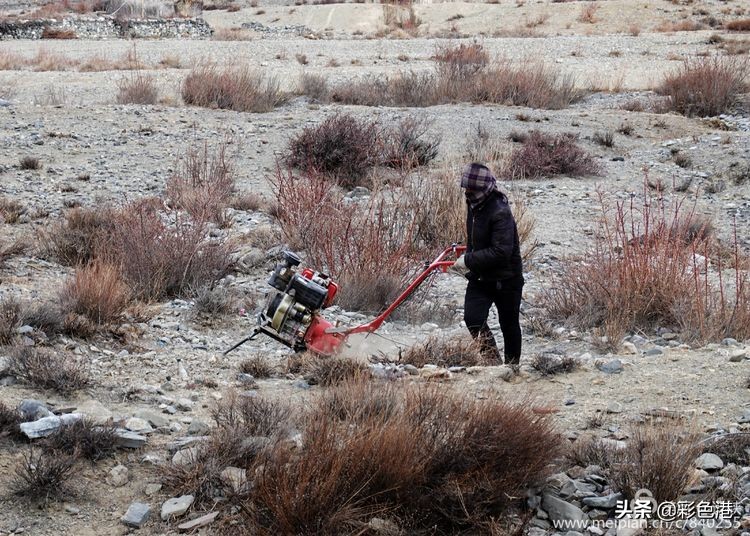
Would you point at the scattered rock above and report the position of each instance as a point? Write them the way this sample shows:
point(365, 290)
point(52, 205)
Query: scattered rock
point(118, 476)
point(606, 502)
point(611, 367)
point(152, 489)
point(198, 428)
point(738, 355)
point(176, 507)
point(198, 522)
point(137, 515)
point(155, 419)
point(235, 478)
point(186, 456)
point(654, 351)
point(94, 411)
point(184, 404)
point(128, 439)
point(184, 442)
point(31, 410)
point(629, 348)
point(383, 527)
point(135, 424)
point(559, 510)
point(614, 407)
point(45, 426)
point(709, 462)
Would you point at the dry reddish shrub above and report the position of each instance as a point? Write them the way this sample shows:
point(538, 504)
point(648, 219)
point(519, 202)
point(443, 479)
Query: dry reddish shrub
point(445, 352)
point(461, 61)
point(137, 88)
point(97, 292)
point(58, 33)
point(739, 25)
point(162, 256)
point(234, 88)
point(429, 459)
point(45, 369)
point(315, 86)
point(545, 155)
point(680, 26)
point(204, 183)
point(342, 146)
point(588, 13)
point(75, 240)
point(407, 146)
point(653, 266)
point(705, 86)
point(42, 477)
point(658, 458)
point(367, 246)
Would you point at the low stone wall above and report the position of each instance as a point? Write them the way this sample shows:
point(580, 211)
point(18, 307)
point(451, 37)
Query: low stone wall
point(108, 28)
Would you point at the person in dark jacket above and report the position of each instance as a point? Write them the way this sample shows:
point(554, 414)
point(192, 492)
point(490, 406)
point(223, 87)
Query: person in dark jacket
point(492, 264)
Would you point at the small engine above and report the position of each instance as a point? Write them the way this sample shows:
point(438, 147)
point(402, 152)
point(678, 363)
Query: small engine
point(292, 311)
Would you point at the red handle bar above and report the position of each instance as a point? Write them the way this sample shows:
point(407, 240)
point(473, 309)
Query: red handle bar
point(438, 264)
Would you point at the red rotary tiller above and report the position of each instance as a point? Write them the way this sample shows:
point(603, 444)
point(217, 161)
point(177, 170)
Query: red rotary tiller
point(293, 314)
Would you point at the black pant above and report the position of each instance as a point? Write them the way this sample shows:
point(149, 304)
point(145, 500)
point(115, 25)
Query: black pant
point(506, 295)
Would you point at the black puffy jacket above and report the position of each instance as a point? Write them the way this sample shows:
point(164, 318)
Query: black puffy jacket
point(493, 251)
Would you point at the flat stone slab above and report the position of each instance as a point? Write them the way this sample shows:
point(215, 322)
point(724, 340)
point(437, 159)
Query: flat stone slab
point(47, 425)
point(128, 439)
point(176, 507)
point(202, 521)
point(137, 515)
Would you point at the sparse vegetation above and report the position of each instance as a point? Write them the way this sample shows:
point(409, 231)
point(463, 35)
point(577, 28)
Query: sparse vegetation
point(328, 371)
point(11, 210)
point(605, 139)
point(97, 292)
point(233, 88)
point(257, 366)
point(137, 88)
point(550, 364)
point(40, 477)
point(214, 301)
point(75, 240)
point(45, 369)
point(10, 320)
point(10, 419)
point(739, 25)
point(705, 86)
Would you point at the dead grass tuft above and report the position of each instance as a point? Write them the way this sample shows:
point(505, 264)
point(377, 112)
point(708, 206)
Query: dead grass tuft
point(233, 88)
point(97, 292)
point(204, 183)
point(657, 458)
point(257, 366)
point(214, 301)
point(40, 477)
point(75, 240)
point(58, 33)
point(82, 439)
point(7, 252)
point(588, 13)
point(706, 86)
point(10, 419)
point(550, 364)
point(44, 369)
point(328, 371)
point(445, 352)
point(30, 163)
point(10, 320)
point(739, 25)
point(137, 88)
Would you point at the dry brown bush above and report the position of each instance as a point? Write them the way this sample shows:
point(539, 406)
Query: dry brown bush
point(637, 276)
point(232, 34)
point(30, 163)
point(588, 13)
point(342, 146)
point(213, 301)
point(706, 86)
point(204, 183)
point(315, 86)
point(658, 458)
point(234, 88)
point(82, 439)
point(731, 448)
point(407, 146)
point(11, 210)
point(137, 88)
point(545, 155)
point(97, 292)
point(10, 419)
point(680, 26)
point(425, 458)
point(10, 320)
point(445, 352)
point(19, 247)
point(75, 240)
point(40, 477)
point(328, 371)
point(58, 33)
point(44, 369)
point(249, 202)
point(739, 25)
point(163, 256)
point(257, 366)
